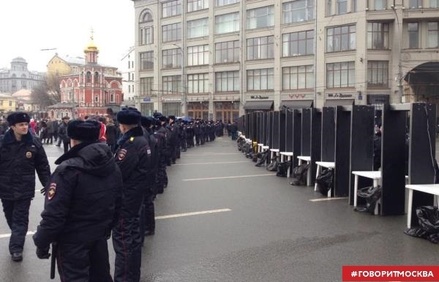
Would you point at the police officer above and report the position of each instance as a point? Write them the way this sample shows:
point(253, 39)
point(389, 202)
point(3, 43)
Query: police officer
point(21, 153)
point(148, 211)
point(135, 161)
point(81, 206)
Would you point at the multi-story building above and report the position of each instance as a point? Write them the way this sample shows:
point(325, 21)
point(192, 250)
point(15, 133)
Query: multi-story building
point(19, 77)
point(218, 59)
point(8, 104)
point(127, 70)
point(87, 88)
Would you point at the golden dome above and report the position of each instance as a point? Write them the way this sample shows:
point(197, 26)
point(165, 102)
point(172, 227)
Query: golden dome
point(91, 47)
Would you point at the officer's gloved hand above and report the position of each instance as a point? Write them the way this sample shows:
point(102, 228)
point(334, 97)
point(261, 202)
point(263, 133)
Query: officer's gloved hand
point(43, 191)
point(43, 253)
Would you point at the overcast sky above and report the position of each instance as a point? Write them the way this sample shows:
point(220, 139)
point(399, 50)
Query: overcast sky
point(27, 26)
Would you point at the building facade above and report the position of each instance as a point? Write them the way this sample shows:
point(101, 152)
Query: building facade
point(19, 77)
point(127, 70)
point(8, 104)
point(219, 59)
point(87, 88)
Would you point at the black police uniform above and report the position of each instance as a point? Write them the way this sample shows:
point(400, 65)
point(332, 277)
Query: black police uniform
point(18, 162)
point(134, 159)
point(81, 206)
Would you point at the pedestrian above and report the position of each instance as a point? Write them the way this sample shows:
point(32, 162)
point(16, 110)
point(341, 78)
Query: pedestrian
point(21, 154)
point(135, 161)
point(111, 134)
point(62, 133)
point(81, 206)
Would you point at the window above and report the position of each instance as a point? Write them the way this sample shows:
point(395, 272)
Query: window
point(171, 8)
point(434, 3)
point(433, 35)
point(260, 48)
point(415, 4)
point(340, 38)
point(195, 5)
point(298, 43)
point(227, 81)
point(171, 32)
point(227, 23)
point(225, 2)
point(298, 11)
point(261, 79)
point(146, 29)
point(172, 84)
point(146, 35)
point(328, 11)
point(340, 75)
point(354, 6)
point(380, 4)
point(198, 83)
point(413, 30)
point(377, 73)
point(88, 77)
point(342, 7)
point(300, 77)
point(198, 55)
point(227, 52)
point(260, 17)
point(146, 86)
point(171, 58)
point(197, 28)
point(146, 61)
point(377, 35)
point(96, 78)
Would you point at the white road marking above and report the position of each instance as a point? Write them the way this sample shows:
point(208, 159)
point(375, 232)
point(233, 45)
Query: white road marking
point(191, 214)
point(237, 162)
point(328, 199)
point(226, 177)
point(7, 235)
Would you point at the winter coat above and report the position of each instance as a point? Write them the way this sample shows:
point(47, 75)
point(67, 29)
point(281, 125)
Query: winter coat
point(18, 162)
point(83, 197)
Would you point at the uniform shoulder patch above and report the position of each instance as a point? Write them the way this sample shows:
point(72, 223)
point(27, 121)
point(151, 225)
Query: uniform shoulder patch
point(51, 191)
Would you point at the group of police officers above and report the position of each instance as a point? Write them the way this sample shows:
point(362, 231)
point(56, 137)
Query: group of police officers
point(94, 193)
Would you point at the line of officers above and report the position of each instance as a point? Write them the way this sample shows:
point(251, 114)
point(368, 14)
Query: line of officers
point(92, 195)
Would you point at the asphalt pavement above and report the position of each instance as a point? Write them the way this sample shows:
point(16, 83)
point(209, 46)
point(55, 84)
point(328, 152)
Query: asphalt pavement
point(223, 219)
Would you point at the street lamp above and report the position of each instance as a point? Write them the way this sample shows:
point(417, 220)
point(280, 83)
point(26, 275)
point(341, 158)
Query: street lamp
point(183, 79)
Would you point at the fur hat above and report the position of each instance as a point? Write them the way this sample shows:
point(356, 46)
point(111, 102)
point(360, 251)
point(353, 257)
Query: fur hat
point(147, 121)
point(83, 130)
point(162, 118)
point(171, 117)
point(129, 116)
point(18, 117)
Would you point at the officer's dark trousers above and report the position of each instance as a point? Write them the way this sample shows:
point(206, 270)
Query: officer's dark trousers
point(17, 217)
point(147, 215)
point(83, 262)
point(127, 243)
point(162, 176)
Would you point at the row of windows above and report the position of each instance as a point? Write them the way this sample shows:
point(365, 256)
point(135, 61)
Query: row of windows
point(340, 38)
point(297, 10)
point(338, 75)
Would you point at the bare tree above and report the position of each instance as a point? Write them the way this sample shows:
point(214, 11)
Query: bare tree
point(47, 92)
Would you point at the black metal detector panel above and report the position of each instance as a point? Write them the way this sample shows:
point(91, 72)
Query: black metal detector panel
point(270, 129)
point(361, 148)
point(297, 135)
point(422, 151)
point(328, 134)
point(288, 131)
point(263, 128)
point(252, 135)
point(282, 132)
point(393, 155)
point(247, 126)
point(316, 131)
point(260, 127)
point(342, 151)
point(276, 130)
point(306, 132)
point(240, 123)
